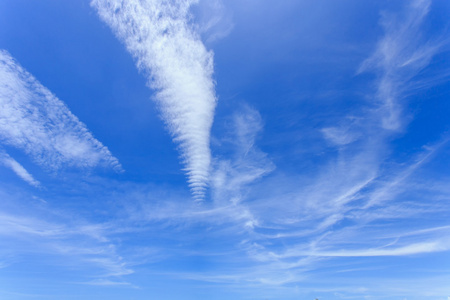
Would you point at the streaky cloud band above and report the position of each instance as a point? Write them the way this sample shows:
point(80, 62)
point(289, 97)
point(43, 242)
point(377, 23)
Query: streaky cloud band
point(36, 121)
point(158, 34)
point(17, 168)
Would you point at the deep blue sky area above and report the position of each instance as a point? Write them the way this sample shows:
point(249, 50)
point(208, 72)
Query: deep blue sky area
point(212, 149)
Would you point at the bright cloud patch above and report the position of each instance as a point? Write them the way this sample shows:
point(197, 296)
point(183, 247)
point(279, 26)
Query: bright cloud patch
point(159, 36)
point(34, 120)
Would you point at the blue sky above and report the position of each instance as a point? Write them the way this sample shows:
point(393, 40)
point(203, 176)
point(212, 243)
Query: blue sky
point(214, 149)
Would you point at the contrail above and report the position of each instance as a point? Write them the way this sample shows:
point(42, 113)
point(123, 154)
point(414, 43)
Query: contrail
point(17, 168)
point(168, 49)
point(36, 121)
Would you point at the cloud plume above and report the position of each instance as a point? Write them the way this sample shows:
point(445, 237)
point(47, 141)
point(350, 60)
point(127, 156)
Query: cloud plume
point(167, 47)
point(35, 121)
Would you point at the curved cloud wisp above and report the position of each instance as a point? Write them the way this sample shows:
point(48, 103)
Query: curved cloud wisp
point(400, 55)
point(159, 36)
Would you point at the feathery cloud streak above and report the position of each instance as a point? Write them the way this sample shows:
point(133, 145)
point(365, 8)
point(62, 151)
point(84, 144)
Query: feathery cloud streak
point(85, 243)
point(248, 164)
point(35, 121)
point(159, 36)
point(17, 168)
point(400, 55)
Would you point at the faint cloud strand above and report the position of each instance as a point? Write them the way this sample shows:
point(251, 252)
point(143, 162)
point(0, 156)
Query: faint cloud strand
point(418, 248)
point(85, 244)
point(17, 168)
point(34, 120)
point(215, 21)
point(400, 55)
point(159, 36)
point(232, 177)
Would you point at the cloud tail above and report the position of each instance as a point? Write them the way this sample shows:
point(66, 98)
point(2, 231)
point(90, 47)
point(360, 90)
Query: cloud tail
point(168, 49)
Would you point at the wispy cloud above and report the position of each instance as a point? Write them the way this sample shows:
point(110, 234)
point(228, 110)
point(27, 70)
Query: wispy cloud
point(339, 135)
point(35, 121)
point(297, 223)
point(247, 163)
point(167, 47)
point(86, 245)
point(106, 282)
point(418, 248)
point(387, 188)
point(17, 168)
point(400, 55)
point(215, 21)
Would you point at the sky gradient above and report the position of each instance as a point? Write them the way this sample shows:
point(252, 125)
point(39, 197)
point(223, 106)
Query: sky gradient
point(212, 149)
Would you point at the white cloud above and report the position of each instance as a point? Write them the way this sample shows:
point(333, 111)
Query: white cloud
point(231, 177)
point(34, 120)
point(17, 168)
point(399, 56)
point(106, 282)
point(160, 37)
point(387, 190)
point(86, 244)
point(418, 248)
point(215, 21)
point(339, 135)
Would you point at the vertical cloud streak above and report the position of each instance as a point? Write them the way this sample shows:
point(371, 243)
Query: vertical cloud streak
point(159, 36)
point(400, 55)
